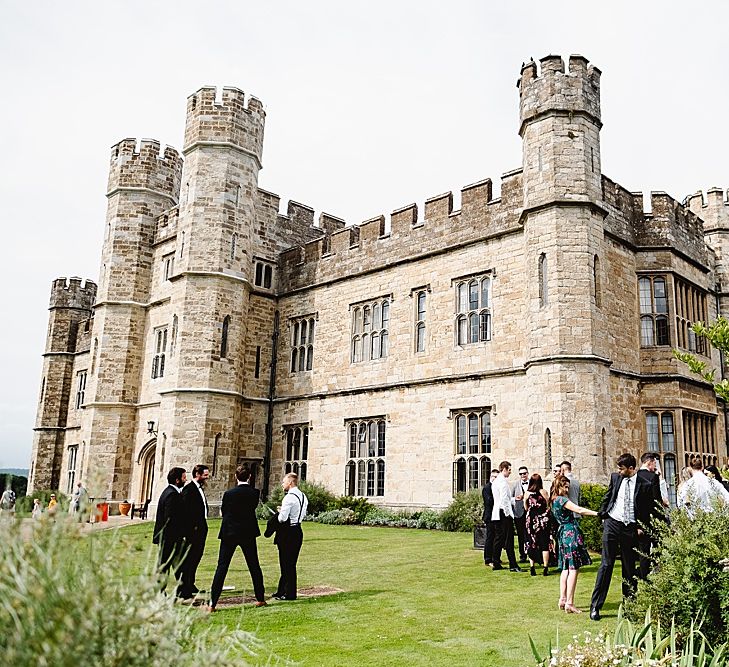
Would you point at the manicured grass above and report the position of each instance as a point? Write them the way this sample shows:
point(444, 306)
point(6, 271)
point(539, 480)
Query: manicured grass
point(410, 597)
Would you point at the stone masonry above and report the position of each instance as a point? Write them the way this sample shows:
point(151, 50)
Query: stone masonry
point(400, 358)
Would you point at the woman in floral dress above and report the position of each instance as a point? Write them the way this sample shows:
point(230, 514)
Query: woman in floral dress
point(538, 540)
point(570, 542)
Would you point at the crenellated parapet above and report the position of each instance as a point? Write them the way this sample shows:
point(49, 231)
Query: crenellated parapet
point(347, 250)
point(73, 293)
point(549, 88)
point(712, 208)
point(226, 119)
point(143, 165)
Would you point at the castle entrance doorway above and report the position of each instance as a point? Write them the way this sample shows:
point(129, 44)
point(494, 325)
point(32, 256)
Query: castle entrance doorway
point(146, 462)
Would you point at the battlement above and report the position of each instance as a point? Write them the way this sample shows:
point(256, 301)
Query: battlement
point(712, 208)
point(73, 293)
point(142, 164)
point(550, 88)
point(225, 119)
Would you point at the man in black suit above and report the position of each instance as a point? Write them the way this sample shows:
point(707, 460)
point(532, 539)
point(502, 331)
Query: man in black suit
point(169, 524)
point(488, 508)
point(645, 541)
point(239, 529)
point(195, 528)
point(628, 504)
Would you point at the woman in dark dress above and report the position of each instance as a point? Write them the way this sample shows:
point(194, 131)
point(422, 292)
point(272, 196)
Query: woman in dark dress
point(570, 542)
point(538, 539)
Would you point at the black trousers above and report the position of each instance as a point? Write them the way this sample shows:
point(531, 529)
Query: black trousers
point(195, 549)
point(288, 540)
point(225, 555)
point(520, 527)
point(504, 539)
point(488, 545)
point(171, 553)
point(616, 537)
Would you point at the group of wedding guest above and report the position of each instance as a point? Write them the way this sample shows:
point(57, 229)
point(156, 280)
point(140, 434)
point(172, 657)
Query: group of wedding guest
point(181, 530)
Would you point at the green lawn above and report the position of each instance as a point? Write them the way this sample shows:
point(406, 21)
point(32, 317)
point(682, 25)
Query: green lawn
point(410, 597)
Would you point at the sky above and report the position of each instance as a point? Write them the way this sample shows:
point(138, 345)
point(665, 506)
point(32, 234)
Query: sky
point(370, 106)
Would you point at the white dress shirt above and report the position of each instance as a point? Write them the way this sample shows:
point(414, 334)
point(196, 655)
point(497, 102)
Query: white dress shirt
point(502, 498)
point(618, 510)
point(293, 507)
point(700, 492)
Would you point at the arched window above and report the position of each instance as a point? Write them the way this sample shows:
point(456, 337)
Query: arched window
point(224, 338)
point(653, 300)
point(420, 322)
point(596, 280)
point(302, 344)
point(370, 478)
point(173, 340)
point(543, 281)
point(297, 449)
point(294, 359)
point(548, 451)
point(366, 455)
point(350, 487)
point(473, 311)
point(472, 440)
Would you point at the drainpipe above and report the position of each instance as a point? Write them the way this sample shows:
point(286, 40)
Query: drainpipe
point(269, 421)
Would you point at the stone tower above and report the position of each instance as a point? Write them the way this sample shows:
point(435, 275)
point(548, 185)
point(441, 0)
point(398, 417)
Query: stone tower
point(211, 286)
point(563, 224)
point(142, 184)
point(70, 305)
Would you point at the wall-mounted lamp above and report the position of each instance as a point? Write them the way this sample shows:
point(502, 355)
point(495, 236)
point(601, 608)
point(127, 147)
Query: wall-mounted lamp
point(150, 428)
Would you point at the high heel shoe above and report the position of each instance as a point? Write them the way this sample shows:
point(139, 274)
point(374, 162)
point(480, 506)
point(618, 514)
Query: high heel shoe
point(533, 571)
point(561, 603)
point(571, 609)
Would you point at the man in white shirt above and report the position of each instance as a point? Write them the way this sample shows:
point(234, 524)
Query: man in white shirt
point(289, 536)
point(701, 492)
point(503, 515)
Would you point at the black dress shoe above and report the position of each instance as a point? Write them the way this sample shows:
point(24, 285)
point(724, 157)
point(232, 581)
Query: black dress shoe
point(278, 596)
point(594, 614)
point(497, 566)
point(516, 568)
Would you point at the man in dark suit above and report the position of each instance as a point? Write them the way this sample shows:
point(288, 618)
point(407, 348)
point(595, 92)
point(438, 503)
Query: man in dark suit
point(239, 529)
point(488, 508)
point(169, 523)
point(645, 541)
point(195, 528)
point(628, 504)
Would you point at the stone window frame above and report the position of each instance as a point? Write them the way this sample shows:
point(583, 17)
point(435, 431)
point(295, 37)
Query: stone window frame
point(699, 436)
point(168, 266)
point(660, 438)
point(472, 448)
point(301, 340)
point(263, 274)
point(296, 448)
point(81, 387)
point(690, 307)
point(653, 310)
point(159, 347)
point(71, 463)
point(370, 329)
point(473, 317)
point(543, 280)
point(419, 296)
point(364, 472)
point(225, 338)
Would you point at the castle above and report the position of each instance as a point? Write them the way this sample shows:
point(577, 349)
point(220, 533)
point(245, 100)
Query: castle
point(397, 359)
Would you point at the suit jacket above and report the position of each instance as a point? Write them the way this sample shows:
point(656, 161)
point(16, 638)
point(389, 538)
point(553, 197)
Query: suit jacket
point(644, 498)
point(488, 501)
point(195, 525)
point(239, 514)
point(518, 504)
point(168, 523)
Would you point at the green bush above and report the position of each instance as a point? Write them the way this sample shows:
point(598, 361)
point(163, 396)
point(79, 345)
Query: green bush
point(465, 510)
point(24, 505)
point(340, 517)
point(15, 482)
point(64, 604)
point(320, 498)
point(429, 520)
point(379, 516)
point(691, 577)
point(591, 496)
point(360, 506)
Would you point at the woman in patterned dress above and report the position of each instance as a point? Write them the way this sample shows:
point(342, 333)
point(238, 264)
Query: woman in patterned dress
point(570, 542)
point(538, 538)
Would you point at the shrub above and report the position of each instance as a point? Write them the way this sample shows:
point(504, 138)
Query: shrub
point(640, 646)
point(340, 517)
point(360, 506)
point(24, 505)
point(591, 496)
point(429, 520)
point(65, 603)
point(689, 578)
point(320, 498)
point(464, 512)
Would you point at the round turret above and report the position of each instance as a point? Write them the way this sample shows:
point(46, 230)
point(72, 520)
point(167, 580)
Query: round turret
point(73, 293)
point(143, 166)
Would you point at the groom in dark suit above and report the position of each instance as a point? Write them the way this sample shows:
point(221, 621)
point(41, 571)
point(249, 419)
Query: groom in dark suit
point(488, 525)
point(196, 528)
point(627, 507)
point(239, 529)
point(169, 523)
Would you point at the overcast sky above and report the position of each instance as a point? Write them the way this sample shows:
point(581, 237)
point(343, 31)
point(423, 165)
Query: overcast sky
point(370, 106)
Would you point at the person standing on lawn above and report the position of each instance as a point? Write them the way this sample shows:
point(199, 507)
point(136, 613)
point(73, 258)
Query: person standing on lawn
point(195, 528)
point(488, 525)
point(538, 538)
point(519, 492)
point(572, 553)
point(169, 524)
point(503, 515)
point(289, 535)
point(239, 528)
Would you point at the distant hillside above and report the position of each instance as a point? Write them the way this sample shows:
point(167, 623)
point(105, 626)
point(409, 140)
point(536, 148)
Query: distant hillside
point(20, 472)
